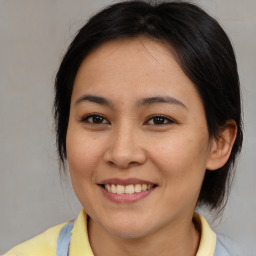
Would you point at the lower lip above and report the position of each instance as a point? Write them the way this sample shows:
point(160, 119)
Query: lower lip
point(126, 198)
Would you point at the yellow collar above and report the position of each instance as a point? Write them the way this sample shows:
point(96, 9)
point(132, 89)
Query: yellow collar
point(208, 237)
point(79, 244)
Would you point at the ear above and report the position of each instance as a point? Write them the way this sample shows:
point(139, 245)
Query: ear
point(221, 146)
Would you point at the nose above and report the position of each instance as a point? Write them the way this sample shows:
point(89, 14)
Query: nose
point(125, 149)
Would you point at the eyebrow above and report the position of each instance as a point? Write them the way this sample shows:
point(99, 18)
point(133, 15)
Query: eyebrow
point(161, 99)
point(145, 101)
point(94, 99)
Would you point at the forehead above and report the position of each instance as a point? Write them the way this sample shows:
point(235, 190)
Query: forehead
point(136, 67)
point(130, 53)
point(148, 47)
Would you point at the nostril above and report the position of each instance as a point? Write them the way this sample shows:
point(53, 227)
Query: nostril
point(123, 165)
point(133, 163)
point(111, 162)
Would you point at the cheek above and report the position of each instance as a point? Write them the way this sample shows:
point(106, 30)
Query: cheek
point(82, 153)
point(182, 162)
point(180, 153)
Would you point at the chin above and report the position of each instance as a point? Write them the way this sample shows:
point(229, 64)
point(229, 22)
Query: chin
point(128, 230)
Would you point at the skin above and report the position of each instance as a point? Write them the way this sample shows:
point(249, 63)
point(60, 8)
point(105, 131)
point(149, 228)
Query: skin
point(128, 143)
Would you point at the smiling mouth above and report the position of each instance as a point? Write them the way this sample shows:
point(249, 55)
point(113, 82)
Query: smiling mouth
point(128, 189)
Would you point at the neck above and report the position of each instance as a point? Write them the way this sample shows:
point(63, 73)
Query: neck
point(181, 239)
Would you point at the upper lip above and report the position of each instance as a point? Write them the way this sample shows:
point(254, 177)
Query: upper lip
point(125, 182)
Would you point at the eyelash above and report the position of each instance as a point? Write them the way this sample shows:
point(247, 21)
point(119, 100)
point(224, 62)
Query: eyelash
point(167, 120)
point(86, 118)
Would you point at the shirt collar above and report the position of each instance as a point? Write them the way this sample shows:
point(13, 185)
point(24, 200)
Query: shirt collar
point(80, 246)
point(208, 237)
point(79, 243)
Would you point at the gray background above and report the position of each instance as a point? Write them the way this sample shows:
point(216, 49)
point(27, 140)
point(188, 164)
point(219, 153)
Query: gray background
point(33, 36)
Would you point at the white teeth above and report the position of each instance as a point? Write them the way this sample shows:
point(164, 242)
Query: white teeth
point(144, 187)
point(113, 188)
point(149, 186)
point(120, 189)
point(108, 188)
point(129, 189)
point(137, 188)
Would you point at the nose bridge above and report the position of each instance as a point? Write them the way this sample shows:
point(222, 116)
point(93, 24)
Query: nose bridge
point(125, 147)
point(126, 141)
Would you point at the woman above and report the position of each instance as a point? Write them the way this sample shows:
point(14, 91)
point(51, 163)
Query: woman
point(148, 117)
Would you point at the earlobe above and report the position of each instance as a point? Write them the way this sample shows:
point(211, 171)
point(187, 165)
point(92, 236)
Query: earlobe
point(221, 146)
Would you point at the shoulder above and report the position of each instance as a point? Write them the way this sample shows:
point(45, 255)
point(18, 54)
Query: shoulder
point(226, 247)
point(43, 244)
point(212, 243)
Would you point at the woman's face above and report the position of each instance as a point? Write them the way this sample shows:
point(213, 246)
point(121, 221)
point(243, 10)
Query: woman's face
point(137, 139)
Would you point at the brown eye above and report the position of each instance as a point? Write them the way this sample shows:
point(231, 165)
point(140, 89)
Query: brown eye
point(95, 119)
point(159, 120)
